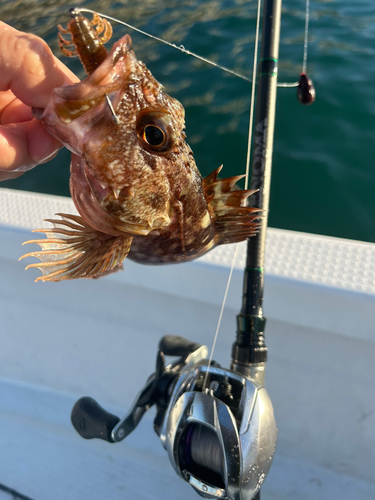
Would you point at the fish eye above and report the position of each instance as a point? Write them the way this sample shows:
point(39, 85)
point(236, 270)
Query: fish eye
point(155, 131)
point(154, 136)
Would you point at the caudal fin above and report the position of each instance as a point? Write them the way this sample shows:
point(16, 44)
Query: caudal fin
point(233, 222)
point(73, 250)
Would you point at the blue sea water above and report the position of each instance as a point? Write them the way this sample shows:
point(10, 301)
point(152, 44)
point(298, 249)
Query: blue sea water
point(323, 179)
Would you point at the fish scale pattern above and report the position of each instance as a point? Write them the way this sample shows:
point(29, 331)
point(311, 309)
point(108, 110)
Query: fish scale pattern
point(305, 257)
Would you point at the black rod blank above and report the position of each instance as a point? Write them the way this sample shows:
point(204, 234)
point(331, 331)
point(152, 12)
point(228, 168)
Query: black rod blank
point(250, 346)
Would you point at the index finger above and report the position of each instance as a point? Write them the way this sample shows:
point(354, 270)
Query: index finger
point(28, 68)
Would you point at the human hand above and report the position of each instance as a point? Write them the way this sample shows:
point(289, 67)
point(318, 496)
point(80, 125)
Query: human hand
point(28, 74)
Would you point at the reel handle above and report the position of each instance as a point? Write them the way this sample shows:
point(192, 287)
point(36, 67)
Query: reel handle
point(91, 420)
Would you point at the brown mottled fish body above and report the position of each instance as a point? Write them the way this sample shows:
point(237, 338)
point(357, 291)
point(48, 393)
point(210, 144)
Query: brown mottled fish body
point(190, 232)
point(134, 180)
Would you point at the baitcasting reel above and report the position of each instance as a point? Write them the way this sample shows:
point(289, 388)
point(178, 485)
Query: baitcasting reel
point(216, 424)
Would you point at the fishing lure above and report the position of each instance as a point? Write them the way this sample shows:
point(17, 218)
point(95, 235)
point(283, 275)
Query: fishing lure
point(133, 179)
point(87, 39)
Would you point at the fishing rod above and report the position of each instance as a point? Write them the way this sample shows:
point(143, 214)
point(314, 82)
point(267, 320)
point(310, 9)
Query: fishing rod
point(216, 424)
point(249, 352)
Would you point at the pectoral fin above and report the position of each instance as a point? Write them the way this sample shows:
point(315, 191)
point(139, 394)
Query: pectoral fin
point(74, 250)
point(233, 222)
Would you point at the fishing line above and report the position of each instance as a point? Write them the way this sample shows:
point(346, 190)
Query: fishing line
point(220, 316)
point(287, 84)
point(306, 41)
point(249, 143)
point(178, 47)
point(252, 100)
point(181, 48)
point(305, 48)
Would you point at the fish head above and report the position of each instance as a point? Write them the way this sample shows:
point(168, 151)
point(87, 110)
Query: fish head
point(129, 136)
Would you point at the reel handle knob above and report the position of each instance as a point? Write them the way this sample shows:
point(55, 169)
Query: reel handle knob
point(174, 345)
point(90, 420)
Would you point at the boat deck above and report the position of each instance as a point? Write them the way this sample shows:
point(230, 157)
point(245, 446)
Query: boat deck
point(61, 341)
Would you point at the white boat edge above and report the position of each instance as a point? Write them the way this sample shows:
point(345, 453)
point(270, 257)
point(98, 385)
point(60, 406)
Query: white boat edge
point(99, 338)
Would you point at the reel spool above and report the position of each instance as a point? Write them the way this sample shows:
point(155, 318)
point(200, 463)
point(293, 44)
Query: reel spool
point(221, 440)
